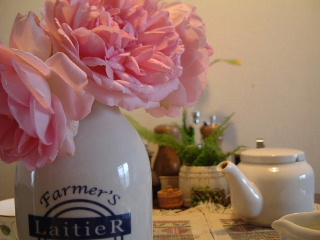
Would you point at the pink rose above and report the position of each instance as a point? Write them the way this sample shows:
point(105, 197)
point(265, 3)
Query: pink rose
point(40, 101)
point(195, 60)
point(66, 81)
point(130, 50)
point(127, 53)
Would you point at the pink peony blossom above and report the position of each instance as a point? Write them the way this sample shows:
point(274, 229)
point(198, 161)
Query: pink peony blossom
point(134, 53)
point(40, 101)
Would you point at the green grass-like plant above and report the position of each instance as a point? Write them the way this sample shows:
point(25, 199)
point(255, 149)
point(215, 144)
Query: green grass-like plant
point(207, 154)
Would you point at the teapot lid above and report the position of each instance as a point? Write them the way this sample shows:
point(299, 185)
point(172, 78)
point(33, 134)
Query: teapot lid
point(272, 155)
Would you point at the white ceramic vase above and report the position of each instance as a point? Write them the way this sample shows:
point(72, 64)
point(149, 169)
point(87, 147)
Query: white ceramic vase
point(102, 192)
point(199, 177)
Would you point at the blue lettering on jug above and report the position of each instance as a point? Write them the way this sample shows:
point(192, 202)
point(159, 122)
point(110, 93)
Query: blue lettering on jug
point(57, 223)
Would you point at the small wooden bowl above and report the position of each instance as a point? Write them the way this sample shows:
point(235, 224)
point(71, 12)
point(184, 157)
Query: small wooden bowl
point(170, 198)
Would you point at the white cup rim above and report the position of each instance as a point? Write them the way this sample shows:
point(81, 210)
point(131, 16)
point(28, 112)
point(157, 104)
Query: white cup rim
point(7, 208)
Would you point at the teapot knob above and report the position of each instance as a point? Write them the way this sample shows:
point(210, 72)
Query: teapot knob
point(260, 143)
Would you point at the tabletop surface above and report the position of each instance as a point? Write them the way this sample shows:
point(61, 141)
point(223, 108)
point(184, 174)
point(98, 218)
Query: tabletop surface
point(205, 223)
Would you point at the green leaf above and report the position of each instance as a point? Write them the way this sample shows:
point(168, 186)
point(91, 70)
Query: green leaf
point(5, 230)
point(160, 139)
point(208, 154)
point(230, 61)
point(186, 131)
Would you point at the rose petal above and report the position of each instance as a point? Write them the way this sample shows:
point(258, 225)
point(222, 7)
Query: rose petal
point(14, 88)
point(5, 56)
point(27, 35)
point(4, 108)
point(96, 47)
point(40, 119)
point(22, 115)
point(68, 147)
point(6, 130)
point(67, 82)
point(33, 62)
point(35, 83)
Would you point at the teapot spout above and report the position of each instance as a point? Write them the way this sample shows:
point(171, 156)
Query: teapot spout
point(246, 198)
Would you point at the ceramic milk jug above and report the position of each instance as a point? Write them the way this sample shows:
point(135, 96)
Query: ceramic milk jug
point(269, 183)
point(102, 192)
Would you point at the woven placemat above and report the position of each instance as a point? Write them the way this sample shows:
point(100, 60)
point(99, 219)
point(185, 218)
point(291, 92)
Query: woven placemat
point(231, 227)
point(191, 226)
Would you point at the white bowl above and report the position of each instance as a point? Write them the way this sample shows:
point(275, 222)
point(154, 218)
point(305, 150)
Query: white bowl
point(299, 226)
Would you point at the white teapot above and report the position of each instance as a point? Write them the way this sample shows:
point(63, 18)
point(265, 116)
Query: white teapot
point(269, 183)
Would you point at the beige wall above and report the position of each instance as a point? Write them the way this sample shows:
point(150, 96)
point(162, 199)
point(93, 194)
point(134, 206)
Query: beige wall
point(275, 94)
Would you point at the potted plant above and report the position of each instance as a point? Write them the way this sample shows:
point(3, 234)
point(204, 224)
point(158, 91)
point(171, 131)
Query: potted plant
point(199, 161)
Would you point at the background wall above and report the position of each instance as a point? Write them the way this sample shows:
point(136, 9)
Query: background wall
point(275, 94)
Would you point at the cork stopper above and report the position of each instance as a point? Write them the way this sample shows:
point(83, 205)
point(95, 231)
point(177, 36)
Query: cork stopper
point(207, 130)
point(169, 129)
